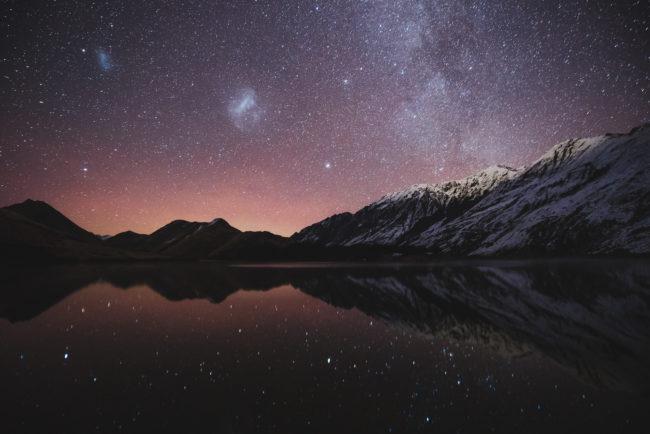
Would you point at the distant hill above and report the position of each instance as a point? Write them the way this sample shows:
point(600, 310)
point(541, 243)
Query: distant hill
point(181, 239)
point(44, 214)
point(26, 240)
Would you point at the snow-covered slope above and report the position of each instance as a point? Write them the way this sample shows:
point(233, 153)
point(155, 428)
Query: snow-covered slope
point(399, 215)
point(584, 196)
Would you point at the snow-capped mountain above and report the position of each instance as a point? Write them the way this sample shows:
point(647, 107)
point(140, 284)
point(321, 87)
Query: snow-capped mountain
point(584, 196)
point(399, 215)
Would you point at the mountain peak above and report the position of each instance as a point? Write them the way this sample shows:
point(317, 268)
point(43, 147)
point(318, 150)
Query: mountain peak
point(34, 203)
point(472, 186)
point(44, 214)
point(587, 196)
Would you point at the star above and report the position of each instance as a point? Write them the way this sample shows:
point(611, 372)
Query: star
point(387, 92)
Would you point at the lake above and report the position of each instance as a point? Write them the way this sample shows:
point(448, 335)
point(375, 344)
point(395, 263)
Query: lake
point(489, 346)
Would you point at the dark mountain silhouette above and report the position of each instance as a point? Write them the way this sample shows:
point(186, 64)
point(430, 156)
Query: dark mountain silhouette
point(128, 240)
point(252, 246)
point(35, 231)
point(181, 239)
point(45, 215)
point(25, 240)
point(200, 240)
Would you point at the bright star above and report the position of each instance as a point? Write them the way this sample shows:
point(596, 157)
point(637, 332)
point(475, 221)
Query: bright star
point(328, 165)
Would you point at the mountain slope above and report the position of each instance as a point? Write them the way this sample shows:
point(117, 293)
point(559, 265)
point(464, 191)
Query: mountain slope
point(400, 215)
point(202, 240)
point(42, 213)
point(251, 246)
point(194, 240)
point(52, 237)
point(584, 196)
point(126, 240)
point(24, 240)
point(179, 239)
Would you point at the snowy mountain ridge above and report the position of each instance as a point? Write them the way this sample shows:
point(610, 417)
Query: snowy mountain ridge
point(583, 196)
point(397, 214)
point(473, 186)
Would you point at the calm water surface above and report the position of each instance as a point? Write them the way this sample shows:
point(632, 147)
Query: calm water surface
point(480, 347)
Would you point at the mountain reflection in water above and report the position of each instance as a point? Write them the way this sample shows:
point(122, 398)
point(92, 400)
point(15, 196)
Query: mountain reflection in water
point(590, 318)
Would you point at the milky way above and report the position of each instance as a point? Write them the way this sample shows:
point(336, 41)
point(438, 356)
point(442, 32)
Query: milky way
point(274, 115)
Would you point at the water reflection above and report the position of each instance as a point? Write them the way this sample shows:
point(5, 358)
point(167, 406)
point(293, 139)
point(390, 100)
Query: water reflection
point(450, 332)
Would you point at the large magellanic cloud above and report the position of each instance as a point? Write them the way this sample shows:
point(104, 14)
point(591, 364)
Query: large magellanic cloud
point(244, 111)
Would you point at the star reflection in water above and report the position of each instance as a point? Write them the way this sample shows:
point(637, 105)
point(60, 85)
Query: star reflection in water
point(491, 346)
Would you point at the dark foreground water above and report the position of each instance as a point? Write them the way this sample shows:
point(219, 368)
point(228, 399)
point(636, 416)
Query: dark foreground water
point(479, 347)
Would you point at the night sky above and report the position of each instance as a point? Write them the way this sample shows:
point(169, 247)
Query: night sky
point(274, 115)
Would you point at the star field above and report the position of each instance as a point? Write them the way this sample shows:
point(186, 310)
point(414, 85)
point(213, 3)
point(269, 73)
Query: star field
point(274, 115)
